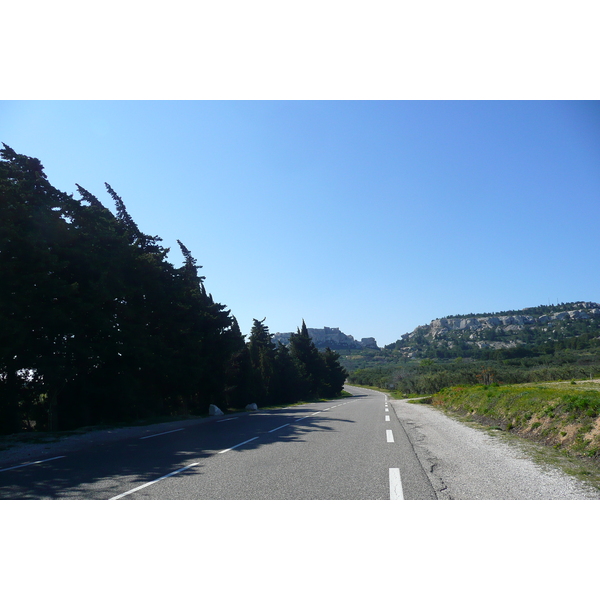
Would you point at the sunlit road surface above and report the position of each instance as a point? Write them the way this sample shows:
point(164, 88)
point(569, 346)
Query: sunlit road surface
point(354, 449)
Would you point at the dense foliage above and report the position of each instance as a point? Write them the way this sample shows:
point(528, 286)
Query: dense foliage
point(96, 326)
point(427, 376)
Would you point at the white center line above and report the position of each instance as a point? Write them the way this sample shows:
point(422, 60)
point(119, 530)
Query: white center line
point(151, 482)
point(36, 462)
point(163, 433)
point(238, 445)
point(396, 492)
point(387, 417)
point(389, 435)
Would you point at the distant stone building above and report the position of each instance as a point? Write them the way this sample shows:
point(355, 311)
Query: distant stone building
point(331, 337)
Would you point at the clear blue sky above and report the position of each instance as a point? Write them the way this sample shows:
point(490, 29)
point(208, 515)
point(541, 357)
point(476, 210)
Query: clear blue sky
point(371, 216)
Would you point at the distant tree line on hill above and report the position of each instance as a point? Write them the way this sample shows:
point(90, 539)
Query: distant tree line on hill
point(96, 326)
point(537, 311)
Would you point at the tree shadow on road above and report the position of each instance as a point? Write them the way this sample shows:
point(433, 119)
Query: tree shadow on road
point(109, 468)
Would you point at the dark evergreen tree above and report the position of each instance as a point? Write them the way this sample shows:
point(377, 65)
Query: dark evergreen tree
point(95, 324)
point(37, 297)
point(334, 374)
point(238, 369)
point(309, 362)
point(288, 383)
point(262, 360)
point(204, 346)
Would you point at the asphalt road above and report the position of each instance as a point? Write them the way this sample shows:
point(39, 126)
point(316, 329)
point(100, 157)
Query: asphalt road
point(366, 447)
point(355, 448)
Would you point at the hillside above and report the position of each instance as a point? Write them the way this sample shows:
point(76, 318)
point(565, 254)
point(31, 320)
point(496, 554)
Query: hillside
point(573, 325)
point(545, 343)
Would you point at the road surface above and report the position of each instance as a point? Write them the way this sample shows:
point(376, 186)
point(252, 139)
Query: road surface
point(366, 447)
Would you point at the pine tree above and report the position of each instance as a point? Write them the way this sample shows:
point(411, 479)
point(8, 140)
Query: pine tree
point(288, 384)
point(334, 374)
point(38, 297)
point(309, 362)
point(262, 359)
point(238, 372)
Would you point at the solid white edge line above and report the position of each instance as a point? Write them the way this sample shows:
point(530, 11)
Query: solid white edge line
point(389, 435)
point(35, 462)
point(238, 445)
point(163, 433)
point(151, 482)
point(396, 492)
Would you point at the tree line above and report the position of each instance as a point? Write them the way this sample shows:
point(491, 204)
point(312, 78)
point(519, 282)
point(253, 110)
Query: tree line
point(97, 326)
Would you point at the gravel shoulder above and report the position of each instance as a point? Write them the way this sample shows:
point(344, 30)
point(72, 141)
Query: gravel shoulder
point(464, 463)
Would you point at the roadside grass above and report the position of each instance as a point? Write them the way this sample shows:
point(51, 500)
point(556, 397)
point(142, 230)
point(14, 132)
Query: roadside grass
point(563, 415)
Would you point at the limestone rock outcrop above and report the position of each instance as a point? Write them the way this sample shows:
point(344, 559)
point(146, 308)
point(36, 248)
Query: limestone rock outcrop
point(438, 327)
point(495, 331)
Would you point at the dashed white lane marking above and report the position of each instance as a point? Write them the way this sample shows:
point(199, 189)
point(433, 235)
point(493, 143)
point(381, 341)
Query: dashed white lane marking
point(35, 462)
point(387, 417)
point(151, 482)
point(230, 419)
point(396, 492)
point(389, 435)
point(238, 445)
point(163, 433)
point(280, 427)
point(387, 410)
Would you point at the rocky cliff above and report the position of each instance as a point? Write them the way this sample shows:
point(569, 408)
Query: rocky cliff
point(499, 330)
